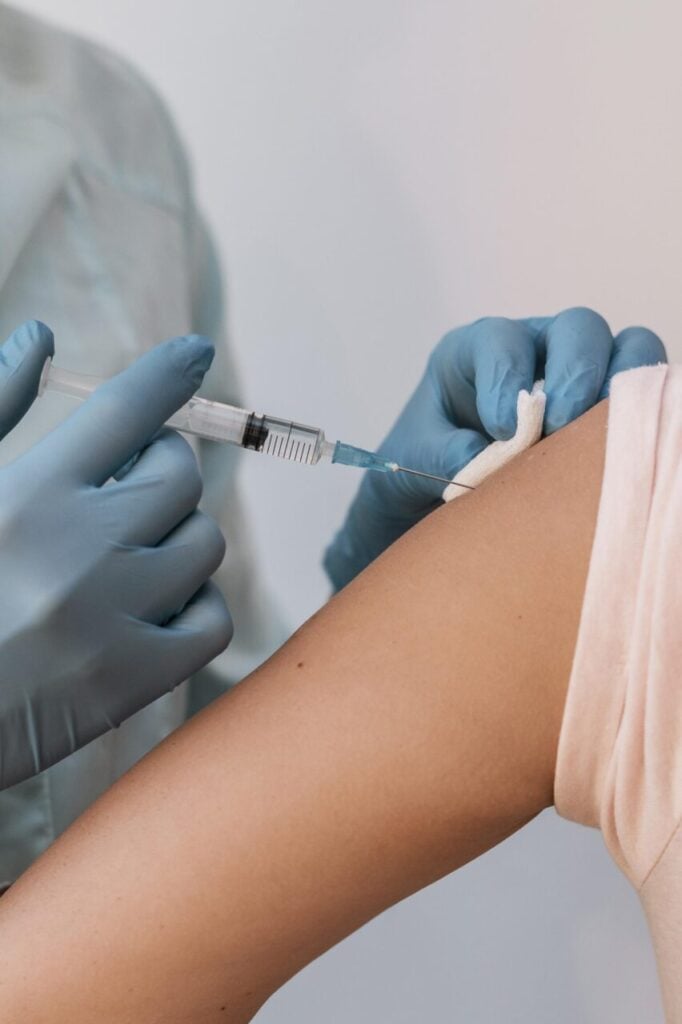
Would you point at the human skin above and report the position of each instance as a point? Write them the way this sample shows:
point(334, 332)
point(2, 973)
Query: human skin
point(407, 727)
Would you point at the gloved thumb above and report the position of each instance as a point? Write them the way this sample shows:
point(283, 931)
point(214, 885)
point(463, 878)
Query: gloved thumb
point(22, 358)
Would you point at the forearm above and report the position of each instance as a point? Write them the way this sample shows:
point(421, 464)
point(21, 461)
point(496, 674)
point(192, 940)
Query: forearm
point(408, 727)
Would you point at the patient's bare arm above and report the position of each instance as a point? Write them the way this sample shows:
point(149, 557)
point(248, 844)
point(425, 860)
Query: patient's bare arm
point(409, 726)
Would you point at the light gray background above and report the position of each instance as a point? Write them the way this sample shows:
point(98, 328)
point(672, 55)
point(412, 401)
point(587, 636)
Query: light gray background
point(377, 171)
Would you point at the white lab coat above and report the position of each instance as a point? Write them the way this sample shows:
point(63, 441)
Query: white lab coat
point(100, 238)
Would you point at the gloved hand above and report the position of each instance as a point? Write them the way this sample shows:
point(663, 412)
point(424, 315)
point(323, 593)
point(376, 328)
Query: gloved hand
point(467, 398)
point(105, 603)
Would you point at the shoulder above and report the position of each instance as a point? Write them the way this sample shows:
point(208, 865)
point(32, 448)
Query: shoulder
point(119, 123)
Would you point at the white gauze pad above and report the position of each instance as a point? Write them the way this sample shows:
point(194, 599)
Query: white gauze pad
point(530, 409)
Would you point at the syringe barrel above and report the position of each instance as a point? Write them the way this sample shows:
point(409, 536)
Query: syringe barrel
point(285, 439)
point(270, 435)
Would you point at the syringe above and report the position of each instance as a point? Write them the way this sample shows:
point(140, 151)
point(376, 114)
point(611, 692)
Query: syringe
point(217, 421)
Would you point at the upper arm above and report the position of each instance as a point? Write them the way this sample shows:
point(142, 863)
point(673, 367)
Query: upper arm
point(411, 724)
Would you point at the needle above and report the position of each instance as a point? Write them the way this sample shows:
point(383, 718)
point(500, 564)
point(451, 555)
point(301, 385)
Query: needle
point(430, 476)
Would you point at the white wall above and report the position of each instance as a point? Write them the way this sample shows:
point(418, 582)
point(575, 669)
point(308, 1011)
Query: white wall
point(376, 172)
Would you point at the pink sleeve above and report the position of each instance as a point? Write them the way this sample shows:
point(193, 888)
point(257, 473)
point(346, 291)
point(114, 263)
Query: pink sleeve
point(619, 762)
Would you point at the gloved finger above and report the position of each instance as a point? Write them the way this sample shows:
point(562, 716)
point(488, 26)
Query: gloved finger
point(498, 356)
point(126, 411)
point(579, 344)
point(172, 653)
point(201, 631)
point(161, 580)
point(461, 448)
point(538, 325)
point(22, 358)
point(635, 346)
point(161, 488)
point(426, 440)
point(446, 451)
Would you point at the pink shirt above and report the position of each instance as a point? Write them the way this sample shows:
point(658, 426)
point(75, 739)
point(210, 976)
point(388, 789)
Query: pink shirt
point(619, 764)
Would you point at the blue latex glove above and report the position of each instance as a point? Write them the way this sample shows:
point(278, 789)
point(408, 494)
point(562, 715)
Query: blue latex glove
point(105, 603)
point(467, 398)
